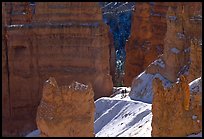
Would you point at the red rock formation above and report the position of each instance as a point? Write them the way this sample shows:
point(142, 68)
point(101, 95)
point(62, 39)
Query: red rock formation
point(195, 69)
point(179, 33)
point(68, 41)
point(140, 34)
point(66, 111)
point(146, 40)
point(193, 25)
point(176, 111)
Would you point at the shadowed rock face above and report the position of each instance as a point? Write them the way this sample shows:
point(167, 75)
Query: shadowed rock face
point(177, 111)
point(146, 41)
point(66, 111)
point(67, 40)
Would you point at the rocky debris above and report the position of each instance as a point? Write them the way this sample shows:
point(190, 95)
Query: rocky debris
point(68, 41)
point(66, 111)
point(177, 110)
point(146, 41)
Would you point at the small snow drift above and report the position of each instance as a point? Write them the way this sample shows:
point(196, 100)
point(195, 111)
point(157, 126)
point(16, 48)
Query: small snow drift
point(196, 85)
point(141, 89)
point(35, 133)
point(195, 135)
point(117, 117)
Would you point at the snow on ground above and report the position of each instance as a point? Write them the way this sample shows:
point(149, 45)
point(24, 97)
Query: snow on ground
point(195, 135)
point(175, 50)
point(196, 85)
point(117, 117)
point(121, 92)
point(142, 86)
point(35, 133)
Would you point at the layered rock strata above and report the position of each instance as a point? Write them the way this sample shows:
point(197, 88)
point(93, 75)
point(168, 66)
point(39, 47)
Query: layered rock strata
point(177, 111)
point(66, 111)
point(68, 41)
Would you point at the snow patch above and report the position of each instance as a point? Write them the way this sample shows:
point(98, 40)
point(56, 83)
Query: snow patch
point(172, 17)
point(187, 50)
point(180, 35)
point(159, 62)
point(175, 50)
point(196, 85)
point(35, 133)
point(194, 117)
point(195, 135)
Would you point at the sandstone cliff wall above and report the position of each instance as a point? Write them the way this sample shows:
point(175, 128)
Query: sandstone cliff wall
point(68, 41)
point(66, 111)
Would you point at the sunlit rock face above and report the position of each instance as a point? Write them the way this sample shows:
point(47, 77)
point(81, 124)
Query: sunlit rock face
point(146, 41)
point(177, 110)
point(67, 40)
point(66, 111)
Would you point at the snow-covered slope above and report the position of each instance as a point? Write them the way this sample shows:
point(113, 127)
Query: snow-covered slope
point(120, 116)
point(141, 89)
point(116, 117)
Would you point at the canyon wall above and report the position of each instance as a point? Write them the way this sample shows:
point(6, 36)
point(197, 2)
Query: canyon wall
point(145, 43)
point(66, 111)
point(68, 41)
